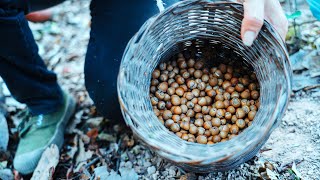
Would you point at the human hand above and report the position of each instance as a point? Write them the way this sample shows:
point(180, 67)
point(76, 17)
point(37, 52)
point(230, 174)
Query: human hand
point(255, 11)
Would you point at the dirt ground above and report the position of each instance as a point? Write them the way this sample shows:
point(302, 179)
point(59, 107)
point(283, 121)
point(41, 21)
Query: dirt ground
point(95, 147)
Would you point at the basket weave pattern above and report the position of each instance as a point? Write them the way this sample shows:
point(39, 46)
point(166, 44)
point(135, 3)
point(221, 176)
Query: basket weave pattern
point(199, 25)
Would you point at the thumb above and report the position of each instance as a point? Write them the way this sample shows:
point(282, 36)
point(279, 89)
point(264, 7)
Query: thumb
point(252, 21)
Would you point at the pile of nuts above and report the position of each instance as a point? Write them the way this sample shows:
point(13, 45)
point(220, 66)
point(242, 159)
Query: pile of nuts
point(202, 104)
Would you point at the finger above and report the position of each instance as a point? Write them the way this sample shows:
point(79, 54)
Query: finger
point(40, 16)
point(276, 17)
point(252, 21)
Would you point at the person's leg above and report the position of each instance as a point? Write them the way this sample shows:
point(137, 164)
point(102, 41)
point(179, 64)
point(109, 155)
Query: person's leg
point(113, 24)
point(22, 68)
point(30, 82)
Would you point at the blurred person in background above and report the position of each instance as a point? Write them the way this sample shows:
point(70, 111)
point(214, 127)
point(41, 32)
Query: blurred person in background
point(113, 23)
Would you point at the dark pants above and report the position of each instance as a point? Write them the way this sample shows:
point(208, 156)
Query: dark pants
point(113, 24)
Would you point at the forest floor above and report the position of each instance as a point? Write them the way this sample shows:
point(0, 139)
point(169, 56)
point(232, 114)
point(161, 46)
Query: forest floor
point(95, 147)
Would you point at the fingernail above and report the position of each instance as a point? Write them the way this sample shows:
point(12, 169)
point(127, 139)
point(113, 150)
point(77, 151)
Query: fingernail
point(248, 38)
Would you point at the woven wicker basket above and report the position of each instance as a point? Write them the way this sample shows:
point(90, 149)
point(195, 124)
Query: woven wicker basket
point(198, 25)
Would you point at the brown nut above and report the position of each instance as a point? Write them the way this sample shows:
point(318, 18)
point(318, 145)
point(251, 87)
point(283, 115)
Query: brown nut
point(179, 91)
point(234, 119)
point(241, 123)
point(191, 71)
point(239, 87)
point(185, 125)
point(240, 113)
point(193, 129)
point(199, 116)
point(216, 122)
point(235, 95)
point(234, 129)
point(175, 100)
point(185, 137)
point(184, 108)
point(190, 104)
point(202, 139)
point(156, 74)
point(161, 105)
point(223, 68)
point(163, 66)
point(189, 96)
point(207, 118)
point(163, 77)
point(252, 86)
point(205, 110)
point(198, 65)
point(197, 108)
point(154, 101)
point(245, 94)
point(167, 114)
point(224, 128)
point(251, 115)
point(176, 118)
point(246, 109)
point(208, 100)
point(154, 82)
point(214, 131)
point(220, 113)
point(168, 105)
point(226, 84)
point(218, 74)
point(219, 104)
point(223, 134)
point(167, 97)
point(186, 75)
point(179, 134)
point(227, 76)
point(183, 100)
point(219, 97)
point(171, 91)
point(207, 133)
point(153, 89)
point(230, 89)
point(168, 123)
point(213, 81)
point(207, 125)
point(196, 92)
point(228, 115)
point(216, 138)
point(190, 113)
point(194, 100)
point(177, 110)
point(182, 64)
point(254, 94)
point(191, 63)
point(235, 102)
point(180, 80)
point(213, 112)
point(198, 122)
point(253, 108)
point(201, 130)
point(205, 78)
point(231, 109)
point(211, 93)
point(175, 127)
point(156, 112)
point(174, 85)
point(197, 74)
point(202, 101)
point(159, 94)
